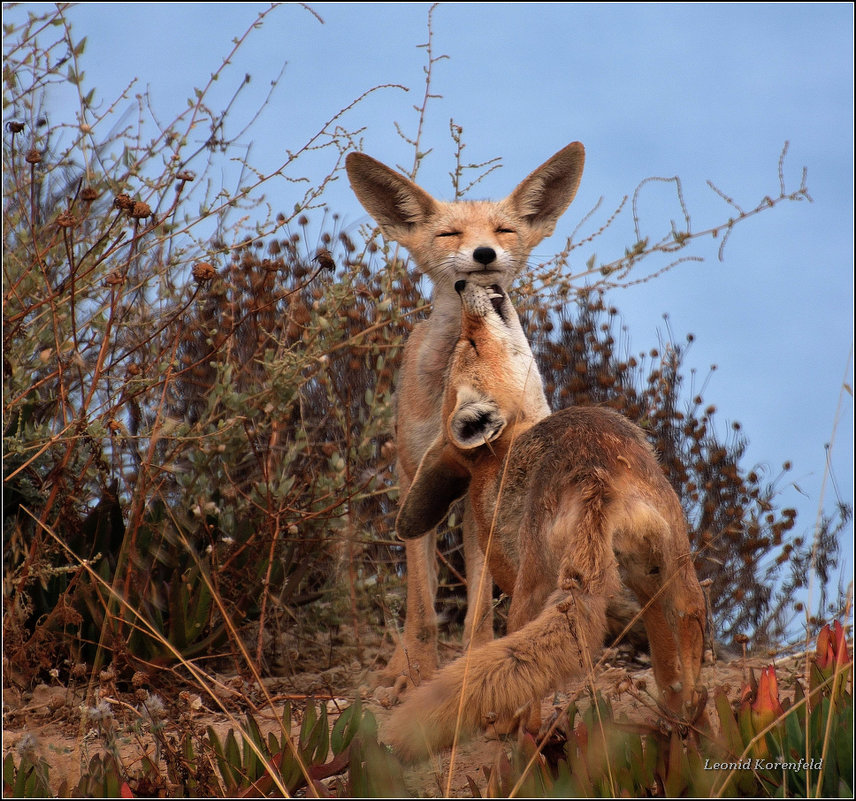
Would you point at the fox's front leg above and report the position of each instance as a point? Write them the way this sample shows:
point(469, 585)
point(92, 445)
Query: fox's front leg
point(478, 624)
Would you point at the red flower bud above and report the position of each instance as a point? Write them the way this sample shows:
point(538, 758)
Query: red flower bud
point(831, 648)
point(767, 706)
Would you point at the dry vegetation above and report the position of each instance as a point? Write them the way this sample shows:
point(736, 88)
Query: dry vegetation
point(197, 412)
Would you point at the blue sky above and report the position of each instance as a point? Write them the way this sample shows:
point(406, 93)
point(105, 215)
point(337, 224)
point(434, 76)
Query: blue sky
point(701, 91)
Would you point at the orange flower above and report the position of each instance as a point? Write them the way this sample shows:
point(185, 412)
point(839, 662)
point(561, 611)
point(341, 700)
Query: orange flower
point(825, 653)
point(832, 647)
point(831, 654)
point(759, 712)
point(766, 707)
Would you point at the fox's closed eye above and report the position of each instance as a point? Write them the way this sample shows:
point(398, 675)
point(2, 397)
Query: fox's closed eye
point(449, 233)
point(505, 231)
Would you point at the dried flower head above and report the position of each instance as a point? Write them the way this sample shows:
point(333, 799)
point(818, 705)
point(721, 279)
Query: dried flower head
point(140, 210)
point(66, 220)
point(203, 271)
point(325, 260)
point(26, 746)
point(123, 202)
point(114, 279)
point(33, 156)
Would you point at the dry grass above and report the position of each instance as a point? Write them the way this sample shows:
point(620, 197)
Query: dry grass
point(198, 400)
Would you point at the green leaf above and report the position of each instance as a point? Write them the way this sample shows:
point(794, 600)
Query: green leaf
point(842, 741)
point(177, 608)
point(8, 770)
point(24, 771)
point(319, 741)
point(111, 780)
point(226, 772)
point(309, 718)
point(233, 755)
point(253, 765)
point(677, 779)
point(794, 746)
point(345, 728)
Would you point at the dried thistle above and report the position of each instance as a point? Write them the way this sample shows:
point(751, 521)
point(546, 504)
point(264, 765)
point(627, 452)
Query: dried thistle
point(123, 202)
point(325, 260)
point(66, 220)
point(114, 279)
point(203, 271)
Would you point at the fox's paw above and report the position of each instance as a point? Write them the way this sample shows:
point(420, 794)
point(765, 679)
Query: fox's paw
point(527, 717)
point(408, 667)
point(388, 696)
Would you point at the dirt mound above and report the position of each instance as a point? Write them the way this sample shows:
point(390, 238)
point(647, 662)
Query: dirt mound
point(64, 726)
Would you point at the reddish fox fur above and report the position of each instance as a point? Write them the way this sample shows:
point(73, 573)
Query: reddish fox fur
point(567, 507)
point(486, 243)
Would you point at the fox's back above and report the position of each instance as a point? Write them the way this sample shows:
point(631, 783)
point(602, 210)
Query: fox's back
point(583, 438)
point(567, 450)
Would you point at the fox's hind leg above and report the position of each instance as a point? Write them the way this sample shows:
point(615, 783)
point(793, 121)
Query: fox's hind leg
point(656, 564)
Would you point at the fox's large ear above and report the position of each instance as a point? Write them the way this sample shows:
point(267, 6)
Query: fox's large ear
point(548, 191)
point(395, 202)
point(476, 421)
point(438, 483)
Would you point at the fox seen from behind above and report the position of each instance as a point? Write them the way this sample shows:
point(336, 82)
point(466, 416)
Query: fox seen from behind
point(567, 507)
point(486, 243)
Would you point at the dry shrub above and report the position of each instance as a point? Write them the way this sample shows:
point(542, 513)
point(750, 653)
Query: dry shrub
point(198, 411)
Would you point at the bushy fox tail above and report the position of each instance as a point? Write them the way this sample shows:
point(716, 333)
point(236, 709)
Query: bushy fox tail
point(502, 677)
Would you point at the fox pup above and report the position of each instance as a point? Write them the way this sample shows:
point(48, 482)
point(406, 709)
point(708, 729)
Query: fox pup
point(567, 507)
point(486, 243)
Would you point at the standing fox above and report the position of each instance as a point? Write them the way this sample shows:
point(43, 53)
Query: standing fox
point(486, 243)
point(566, 506)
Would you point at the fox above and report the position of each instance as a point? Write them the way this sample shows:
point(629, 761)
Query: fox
point(487, 243)
point(568, 507)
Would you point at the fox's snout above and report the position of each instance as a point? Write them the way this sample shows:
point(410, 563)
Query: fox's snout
point(484, 255)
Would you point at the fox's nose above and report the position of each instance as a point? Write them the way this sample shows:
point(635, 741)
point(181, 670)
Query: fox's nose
point(484, 255)
point(460, 285)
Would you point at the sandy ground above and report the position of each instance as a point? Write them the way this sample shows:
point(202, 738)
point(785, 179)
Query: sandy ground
point(49, 719)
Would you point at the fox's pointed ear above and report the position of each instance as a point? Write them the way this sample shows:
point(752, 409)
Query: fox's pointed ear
point(544, 196)
point(476, 421)
point(438, 483)
point(395, 202)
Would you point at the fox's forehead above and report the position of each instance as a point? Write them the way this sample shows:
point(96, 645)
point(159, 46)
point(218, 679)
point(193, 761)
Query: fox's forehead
point(469, 215)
